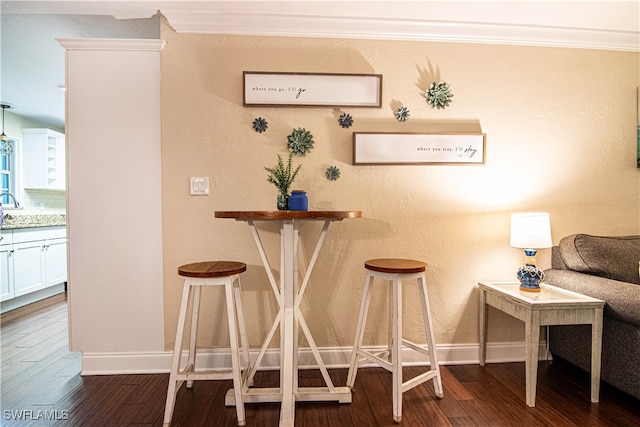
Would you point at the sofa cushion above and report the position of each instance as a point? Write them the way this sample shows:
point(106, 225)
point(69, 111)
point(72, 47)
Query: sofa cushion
point(611, 257)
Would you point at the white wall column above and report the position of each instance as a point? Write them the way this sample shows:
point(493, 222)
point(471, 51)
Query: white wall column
point(114, 196)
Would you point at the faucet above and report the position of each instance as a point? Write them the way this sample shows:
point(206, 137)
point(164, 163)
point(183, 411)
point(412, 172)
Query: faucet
point(15, 201)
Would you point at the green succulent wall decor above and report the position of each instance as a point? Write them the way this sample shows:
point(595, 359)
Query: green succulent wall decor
point(300, 142)
point(332, 173)
point(439, 95)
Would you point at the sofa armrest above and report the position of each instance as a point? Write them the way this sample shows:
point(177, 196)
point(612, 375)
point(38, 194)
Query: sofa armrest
point(622, 298)
point(556, 259)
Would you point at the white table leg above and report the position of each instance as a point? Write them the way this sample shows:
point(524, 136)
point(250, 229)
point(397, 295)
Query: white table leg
point(532, 343)
point(396, 350)
point(287, 356)
point(596, 354)
point(483, 327)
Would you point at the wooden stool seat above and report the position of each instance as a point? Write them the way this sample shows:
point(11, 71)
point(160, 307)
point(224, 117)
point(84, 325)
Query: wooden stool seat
point(395, 265)
point(196, 275)
point(212, 269)
point(395, 271)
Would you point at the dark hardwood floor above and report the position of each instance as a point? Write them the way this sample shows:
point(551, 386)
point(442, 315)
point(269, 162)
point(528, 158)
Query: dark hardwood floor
point(40, 383)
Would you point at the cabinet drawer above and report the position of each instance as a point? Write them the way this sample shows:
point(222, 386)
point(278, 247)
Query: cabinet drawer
point(21, 235)
point(6, 237)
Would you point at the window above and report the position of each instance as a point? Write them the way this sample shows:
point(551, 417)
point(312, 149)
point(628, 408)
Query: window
point(8, 174)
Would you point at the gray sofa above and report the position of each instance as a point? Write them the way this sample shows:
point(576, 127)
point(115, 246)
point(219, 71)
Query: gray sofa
point(604, 268)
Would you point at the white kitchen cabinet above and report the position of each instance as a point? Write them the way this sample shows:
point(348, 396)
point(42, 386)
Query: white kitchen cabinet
point(28, 268)
point(55, 261)
point(36, 259)
point(43, 159)
point(6, 265)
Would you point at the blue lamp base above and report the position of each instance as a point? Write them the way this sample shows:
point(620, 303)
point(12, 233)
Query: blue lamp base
point(529, 275)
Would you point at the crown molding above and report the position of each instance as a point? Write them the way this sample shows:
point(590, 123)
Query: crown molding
point(607, 25)
point(261, 23)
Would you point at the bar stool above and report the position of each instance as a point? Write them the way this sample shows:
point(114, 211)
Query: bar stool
point(395, 272)
point(197, 275)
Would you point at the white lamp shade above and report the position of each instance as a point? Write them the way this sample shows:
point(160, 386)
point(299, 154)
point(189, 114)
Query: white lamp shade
point(530, 230)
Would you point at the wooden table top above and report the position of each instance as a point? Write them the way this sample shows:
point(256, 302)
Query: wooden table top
point(280, 215)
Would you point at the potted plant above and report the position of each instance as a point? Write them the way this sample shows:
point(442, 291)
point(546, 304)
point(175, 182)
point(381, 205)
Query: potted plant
point(282, 177)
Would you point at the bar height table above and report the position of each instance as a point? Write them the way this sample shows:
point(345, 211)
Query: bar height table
point(289, 317)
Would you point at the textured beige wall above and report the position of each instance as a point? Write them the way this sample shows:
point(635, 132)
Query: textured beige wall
point(560, 127)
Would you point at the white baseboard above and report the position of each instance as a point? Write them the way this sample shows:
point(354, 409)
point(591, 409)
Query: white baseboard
point(333, 357)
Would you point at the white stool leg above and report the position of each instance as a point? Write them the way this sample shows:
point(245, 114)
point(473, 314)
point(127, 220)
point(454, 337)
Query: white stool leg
point(246, 362)
point(396, 353)
point(177, 350)
point(390, 323)
point(362, 321)
point(195, 313)
point(428, 328)
point(235, 359)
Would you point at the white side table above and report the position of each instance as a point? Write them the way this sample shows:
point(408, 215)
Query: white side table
point(550, 306)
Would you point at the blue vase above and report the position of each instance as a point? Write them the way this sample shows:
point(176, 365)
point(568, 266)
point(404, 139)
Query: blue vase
point(298, 201)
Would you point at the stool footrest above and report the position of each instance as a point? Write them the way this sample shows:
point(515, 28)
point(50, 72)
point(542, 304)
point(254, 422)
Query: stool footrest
point(204, 375)
point(418, 379)
point(375, 358)
point(303, 394)
point(416, 347)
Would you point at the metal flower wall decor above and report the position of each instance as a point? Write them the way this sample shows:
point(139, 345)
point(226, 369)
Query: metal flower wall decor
point(260, 125)
point(402, 114)
point(345, 120)
point(300, 141)
point(439, 95)
point(332, 173)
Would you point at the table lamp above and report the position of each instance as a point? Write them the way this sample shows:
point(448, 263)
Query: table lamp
point(530, 231)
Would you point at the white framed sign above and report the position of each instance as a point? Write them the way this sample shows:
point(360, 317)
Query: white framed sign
point(267, 89)
point(373, 148)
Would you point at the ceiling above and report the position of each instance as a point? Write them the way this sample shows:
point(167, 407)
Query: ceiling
point(32, 61)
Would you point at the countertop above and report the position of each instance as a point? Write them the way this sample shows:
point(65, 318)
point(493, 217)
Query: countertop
point(31, 219)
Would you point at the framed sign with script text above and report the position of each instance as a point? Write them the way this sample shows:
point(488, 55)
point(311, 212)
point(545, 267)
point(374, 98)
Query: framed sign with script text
point(267, 89)
point(371, 148)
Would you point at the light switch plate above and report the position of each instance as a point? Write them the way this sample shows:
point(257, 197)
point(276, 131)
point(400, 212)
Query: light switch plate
point(199, 185)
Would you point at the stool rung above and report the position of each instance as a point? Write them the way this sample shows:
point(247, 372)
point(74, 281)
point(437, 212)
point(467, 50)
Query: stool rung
point(188, 368)
point(416, 347)
point(205, 375)
point(376, 359)
point(417, 380)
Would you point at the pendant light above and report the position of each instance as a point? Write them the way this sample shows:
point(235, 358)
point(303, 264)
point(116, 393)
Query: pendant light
point(5, 145)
